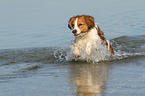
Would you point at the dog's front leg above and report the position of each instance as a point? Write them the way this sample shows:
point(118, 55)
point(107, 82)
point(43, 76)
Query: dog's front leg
point(77, 51)
point(88, 48)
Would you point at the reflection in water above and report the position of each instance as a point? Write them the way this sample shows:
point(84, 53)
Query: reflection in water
point(90, 79)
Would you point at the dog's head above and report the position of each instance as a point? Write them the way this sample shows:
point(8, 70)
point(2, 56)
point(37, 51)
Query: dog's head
point(81, 24)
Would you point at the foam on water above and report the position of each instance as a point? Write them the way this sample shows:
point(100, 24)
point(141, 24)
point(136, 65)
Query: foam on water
point(128, 46)
point(124, 47)
point(99, 53)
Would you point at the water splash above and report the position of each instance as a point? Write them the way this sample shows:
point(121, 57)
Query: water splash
point(125, 47)
point(99, 53)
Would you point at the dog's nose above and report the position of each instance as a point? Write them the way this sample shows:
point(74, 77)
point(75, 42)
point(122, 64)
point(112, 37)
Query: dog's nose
point(74, 31)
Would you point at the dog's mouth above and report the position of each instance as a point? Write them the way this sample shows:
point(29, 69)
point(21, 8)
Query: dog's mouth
point(80, 34)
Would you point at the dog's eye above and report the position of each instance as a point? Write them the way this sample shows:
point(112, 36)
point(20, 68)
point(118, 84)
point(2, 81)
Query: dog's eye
point(80, 24)
point(72, 25)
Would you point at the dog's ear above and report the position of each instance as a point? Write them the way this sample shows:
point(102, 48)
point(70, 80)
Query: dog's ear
point(70, 22)
point(90, 21)
point(100, 33)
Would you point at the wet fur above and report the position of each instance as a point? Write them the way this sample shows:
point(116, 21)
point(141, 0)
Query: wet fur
point(93, 34)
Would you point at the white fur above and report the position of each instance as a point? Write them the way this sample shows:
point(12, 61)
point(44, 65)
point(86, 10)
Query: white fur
point(76, 27)
point(86, 42)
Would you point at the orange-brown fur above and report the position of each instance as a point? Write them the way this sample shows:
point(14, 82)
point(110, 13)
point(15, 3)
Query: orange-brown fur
point(85, 24)
point(101, 35)
point(87, 21)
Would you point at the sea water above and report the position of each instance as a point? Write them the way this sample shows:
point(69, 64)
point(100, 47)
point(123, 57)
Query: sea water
point(36, 57)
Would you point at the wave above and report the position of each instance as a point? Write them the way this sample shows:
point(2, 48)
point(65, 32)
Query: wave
point(28, 55)
point(124, 46)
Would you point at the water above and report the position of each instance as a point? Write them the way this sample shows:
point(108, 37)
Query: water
point(36, 57)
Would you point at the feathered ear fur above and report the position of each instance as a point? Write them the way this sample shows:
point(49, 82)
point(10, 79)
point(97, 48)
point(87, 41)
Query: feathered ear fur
point(90, 21)
point(99, 31)
point(105, 42)
point(101, 35)
point(70, 22)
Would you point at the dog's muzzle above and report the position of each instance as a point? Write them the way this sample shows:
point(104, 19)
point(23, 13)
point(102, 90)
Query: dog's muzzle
point(75, 33)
